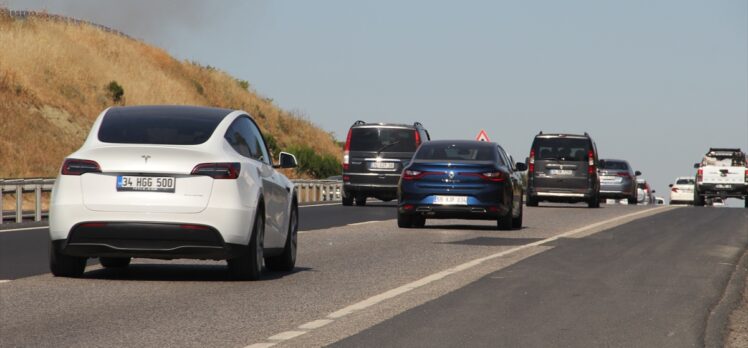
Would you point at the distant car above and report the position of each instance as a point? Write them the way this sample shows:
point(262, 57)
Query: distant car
point(659, 200)
point(171, 182)
point(644, 194)
point(461, 179)
point(722, 173)
point(563, 168)
point(374, 157)
point(681, 192)
point(618, 180)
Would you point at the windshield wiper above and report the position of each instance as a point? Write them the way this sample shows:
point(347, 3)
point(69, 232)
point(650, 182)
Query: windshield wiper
point(386, 146)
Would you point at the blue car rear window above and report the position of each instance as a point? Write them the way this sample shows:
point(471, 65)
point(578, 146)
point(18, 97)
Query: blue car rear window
point(457, 152)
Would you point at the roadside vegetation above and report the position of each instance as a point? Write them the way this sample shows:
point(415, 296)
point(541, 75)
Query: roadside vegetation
point(56, 77)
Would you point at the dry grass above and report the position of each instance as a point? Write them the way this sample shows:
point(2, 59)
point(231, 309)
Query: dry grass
point(52, 86)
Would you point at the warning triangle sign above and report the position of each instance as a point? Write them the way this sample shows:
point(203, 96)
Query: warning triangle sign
point(482, 136)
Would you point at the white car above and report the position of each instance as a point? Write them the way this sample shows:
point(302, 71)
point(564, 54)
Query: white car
point(172, 182)
point(681, 192)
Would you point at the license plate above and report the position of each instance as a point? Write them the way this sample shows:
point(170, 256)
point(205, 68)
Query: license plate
point(561, 172)
point(722, 186)
point(451, 200)
point(610, 179)
point(146, 183)
point(383, 165)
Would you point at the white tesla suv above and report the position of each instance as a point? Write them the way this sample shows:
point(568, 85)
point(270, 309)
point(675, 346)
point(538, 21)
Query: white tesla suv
point(171, 182)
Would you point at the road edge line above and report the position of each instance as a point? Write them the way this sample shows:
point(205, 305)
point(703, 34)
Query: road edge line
point(718, 319)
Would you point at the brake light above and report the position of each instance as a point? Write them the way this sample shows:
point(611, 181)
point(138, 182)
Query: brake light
point(73, 166)
point(591, 164)
point(531, 162)
point(746, 175)
point(625, 175)
point(418, 139)
point(700, 175)
point(347, 151)
point(674, 189)
point(218, 170)
point(194, 227)
point(493, 176)
point(412, 174)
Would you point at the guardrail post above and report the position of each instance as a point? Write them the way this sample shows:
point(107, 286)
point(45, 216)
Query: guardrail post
point(19, 203)
point(38, 194)
point(306, 192)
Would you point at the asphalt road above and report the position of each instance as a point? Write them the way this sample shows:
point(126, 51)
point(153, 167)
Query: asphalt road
point(24, 252)
point(374, 284)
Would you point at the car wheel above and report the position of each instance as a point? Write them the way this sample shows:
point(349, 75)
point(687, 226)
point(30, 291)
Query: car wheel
point(114, 262)
point(698, 200)
point(347, 198)
point(63, 265)
point(361, 201)
point(404, 220)
point(504, 222)
point(632, 200)
point(532, 201)
point(594, 202)
point(746, 201)
point(517, 221)
point(286, 261)
point(248, 266)
point(419, 221)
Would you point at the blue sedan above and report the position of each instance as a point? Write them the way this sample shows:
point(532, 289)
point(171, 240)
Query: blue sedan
point(461, 179)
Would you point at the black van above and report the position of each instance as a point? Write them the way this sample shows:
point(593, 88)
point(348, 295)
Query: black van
point(374, 157)
point(563, 168)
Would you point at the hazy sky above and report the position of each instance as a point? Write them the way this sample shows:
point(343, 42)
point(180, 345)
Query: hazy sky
point(654, 82)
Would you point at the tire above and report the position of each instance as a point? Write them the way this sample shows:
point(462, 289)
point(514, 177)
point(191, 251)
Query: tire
point(532, 201)
point(594, 202)
point(745, 200)
point(404, 220)
point(632, 200)
point(347, 198)
point(504, 222)
point(62, 265)
point(419, 221)
point(698, 200)
point(286, 261)
point(517, 221)
point(249, 265)
point(361, 201)
point(114, 262)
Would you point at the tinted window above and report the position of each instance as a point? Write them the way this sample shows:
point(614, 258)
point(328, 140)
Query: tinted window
point(615, 165)
point(384, 139)
point(457, 152)
point(154, 128)
point(561, 149)
point(684, 182)
point(244, 137)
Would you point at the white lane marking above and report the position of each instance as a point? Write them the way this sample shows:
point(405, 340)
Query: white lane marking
point(315, 324)
point(4, 281)
point(318, 205)
point(261, 345)
point(25, 229)
point(459, 268)
point(283, 336)
point(365, 222)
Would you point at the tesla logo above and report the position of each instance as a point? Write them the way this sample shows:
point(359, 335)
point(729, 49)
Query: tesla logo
point(146, 157)
point(451, 174)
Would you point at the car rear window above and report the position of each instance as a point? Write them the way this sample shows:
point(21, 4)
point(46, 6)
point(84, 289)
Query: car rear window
point(615, 165)
point(457, 152)
point(684, 182)
point(383, 139)
point(561, 149)
point(133, 128)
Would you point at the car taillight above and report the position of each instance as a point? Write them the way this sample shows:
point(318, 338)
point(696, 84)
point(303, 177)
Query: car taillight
point(218, 170)
point(674, 189)
point(493, 176)
point(625, 175)
point(699, 175)
point(347, 151)
point(412, 174)
point(531, 162)
point(591, 164)
point(418, 139)
point(73, 166)
point(746, 175)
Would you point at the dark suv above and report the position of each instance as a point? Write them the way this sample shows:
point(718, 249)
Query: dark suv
point(374, 157)
point(563, 168)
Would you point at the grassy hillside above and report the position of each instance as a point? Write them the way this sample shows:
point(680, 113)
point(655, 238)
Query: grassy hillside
point(54, 79)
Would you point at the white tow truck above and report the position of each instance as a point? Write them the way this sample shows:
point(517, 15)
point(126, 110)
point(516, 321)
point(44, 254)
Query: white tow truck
point(722, 174)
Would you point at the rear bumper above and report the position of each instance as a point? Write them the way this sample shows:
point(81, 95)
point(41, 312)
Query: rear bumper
point(456, 212)
point(718, 190)
point(618, 190)
point(560, 195)
point(149, 240)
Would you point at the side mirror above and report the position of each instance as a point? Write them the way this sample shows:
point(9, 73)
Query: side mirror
point(602, 163)
point(287, 160)
point(654, 191)
point(696, 165)
point(671, 185)
point(520, 167)
point(637, 173)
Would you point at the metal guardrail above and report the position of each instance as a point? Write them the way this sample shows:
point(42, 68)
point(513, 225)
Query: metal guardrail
point(308, 191)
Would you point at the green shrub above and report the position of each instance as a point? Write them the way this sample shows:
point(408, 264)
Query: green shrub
point(115, 91)
point(244, 84)
point(313, 164)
